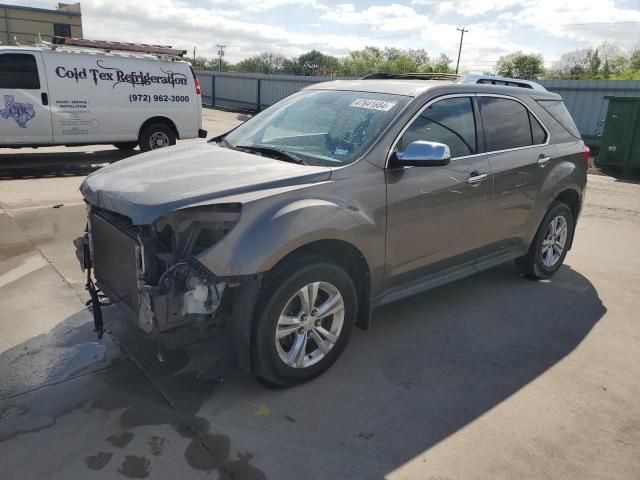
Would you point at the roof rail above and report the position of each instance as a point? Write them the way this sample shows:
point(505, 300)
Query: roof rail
point(509, 82)
point(107, 46)
point(411, 76)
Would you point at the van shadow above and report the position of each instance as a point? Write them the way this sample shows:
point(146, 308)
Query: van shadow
point(38, 164)
point(428, 366)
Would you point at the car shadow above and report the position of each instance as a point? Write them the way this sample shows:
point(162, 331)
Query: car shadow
point(428, 366)
point(35, 164)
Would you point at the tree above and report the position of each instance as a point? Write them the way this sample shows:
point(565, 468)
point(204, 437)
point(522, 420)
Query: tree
point(317, 63)
point(441, 65)
point(265, 62)
point(362, 62)
point(203, 63)
point(520, 65)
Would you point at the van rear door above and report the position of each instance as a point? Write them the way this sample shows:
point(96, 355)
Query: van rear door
point(25, 114)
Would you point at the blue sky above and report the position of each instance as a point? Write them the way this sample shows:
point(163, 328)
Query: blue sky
point(496, 27)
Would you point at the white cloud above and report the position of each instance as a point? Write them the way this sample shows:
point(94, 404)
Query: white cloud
point(468, 8)
point(496, 27)
point(589, 22)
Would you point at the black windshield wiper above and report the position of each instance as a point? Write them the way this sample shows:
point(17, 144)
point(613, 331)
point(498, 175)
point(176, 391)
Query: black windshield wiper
point(281, 154)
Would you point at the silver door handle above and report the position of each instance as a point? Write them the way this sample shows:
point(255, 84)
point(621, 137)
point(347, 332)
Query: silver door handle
point(476, 179)
point(542, 161)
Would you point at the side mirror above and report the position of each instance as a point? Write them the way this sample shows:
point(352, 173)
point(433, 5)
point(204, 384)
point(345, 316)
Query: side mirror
point(423, 154)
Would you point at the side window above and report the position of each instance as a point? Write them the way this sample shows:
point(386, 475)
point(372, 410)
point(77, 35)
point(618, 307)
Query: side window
point(537, 132)
point(448, 121)
point(19, 70)
point(505, 123)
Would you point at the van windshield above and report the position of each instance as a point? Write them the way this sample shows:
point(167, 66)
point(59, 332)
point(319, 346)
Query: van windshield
point(320, 127)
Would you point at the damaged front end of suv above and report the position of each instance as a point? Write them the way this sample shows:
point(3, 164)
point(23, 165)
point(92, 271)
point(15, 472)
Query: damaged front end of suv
point(153, 270)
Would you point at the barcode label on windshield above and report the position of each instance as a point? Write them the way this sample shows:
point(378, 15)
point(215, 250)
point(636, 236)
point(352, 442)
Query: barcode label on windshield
point(373, 104)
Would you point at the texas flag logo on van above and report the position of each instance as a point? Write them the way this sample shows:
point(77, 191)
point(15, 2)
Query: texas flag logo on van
point(20, 112)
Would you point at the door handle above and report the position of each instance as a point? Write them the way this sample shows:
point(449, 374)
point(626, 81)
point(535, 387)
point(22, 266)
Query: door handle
point(543, 160)
point(45, 98)
point(476, 178)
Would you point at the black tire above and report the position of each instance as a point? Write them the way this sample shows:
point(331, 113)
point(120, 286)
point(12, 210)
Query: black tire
point(150, 136)
point(532, 264)
point(279, 287)
point(126, 146)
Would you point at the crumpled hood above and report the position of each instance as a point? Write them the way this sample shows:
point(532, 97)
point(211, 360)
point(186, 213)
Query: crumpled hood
point(149, 185)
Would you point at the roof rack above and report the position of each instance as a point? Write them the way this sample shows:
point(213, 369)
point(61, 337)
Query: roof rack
point(505, 81)
point(480, 79)
point(411, 76)
point(107, 46)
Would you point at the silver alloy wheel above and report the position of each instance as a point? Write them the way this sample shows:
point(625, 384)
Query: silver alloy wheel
point(554, 241)
point(158, 140)
point(309, 325)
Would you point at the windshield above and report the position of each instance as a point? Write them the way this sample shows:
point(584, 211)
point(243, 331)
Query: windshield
point(321, 127)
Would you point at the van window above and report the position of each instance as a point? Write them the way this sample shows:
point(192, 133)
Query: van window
point(505, 123)
point(19, 70)
point(448, 121)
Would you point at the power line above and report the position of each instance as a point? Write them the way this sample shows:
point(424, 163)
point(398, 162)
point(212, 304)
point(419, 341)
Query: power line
point(220, 55)
point(462, 31)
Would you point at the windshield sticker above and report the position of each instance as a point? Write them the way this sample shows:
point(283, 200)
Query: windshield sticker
point(373, 104)
point(341, 151)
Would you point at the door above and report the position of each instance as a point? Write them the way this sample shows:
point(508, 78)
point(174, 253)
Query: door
point(436, 216)
point(518, 149)
point(25, 117)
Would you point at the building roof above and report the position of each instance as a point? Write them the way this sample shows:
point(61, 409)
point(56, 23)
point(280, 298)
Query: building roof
point(42, 10)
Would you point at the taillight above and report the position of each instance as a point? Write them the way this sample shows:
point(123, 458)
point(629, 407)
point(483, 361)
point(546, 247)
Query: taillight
point(198, 91)
point(586, 153)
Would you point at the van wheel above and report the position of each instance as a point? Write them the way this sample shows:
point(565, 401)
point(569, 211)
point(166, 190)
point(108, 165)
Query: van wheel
point(156, 135)
point(126, 146)
point(304, 317)
point(550, 245)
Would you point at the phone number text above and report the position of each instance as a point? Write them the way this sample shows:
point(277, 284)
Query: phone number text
point(134, 98)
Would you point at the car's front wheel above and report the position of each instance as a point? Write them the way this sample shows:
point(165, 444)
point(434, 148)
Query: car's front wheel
point(550, 245)
point(304, 317)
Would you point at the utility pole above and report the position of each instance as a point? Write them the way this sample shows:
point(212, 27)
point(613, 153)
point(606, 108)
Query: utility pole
point(194, 55)
point(220, 55)
point(462, 32)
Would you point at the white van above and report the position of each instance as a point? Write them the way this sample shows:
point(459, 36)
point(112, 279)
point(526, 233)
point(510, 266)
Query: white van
point(73, 95)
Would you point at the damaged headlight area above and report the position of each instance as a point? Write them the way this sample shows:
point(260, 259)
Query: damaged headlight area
point(152, 268)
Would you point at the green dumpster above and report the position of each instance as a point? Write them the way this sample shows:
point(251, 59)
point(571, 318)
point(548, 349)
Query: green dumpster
point(620, 145)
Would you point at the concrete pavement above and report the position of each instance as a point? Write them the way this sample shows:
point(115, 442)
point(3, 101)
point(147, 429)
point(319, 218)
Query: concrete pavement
point(493, 376)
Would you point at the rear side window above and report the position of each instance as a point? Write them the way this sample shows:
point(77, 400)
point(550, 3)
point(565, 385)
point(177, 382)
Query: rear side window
point(557, 110)
point(505, 122)
point(448, 121)
point(537, 132)
point(19, 70)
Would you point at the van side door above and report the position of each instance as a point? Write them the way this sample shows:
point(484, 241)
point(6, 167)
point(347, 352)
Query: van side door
point(25, 114)
point(520, 155)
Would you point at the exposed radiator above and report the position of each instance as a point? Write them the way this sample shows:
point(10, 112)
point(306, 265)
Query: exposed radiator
point(115, 259)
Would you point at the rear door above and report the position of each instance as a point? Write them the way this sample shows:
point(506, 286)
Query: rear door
point(518, 149)
point(25, 116)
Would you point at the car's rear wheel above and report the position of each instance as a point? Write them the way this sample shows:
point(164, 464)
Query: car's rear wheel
point(156, 135)
point(550, 245)
point(126, 146)
point(304, 318)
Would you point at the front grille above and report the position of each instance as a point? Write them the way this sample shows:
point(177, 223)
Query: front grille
point(115, 257)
